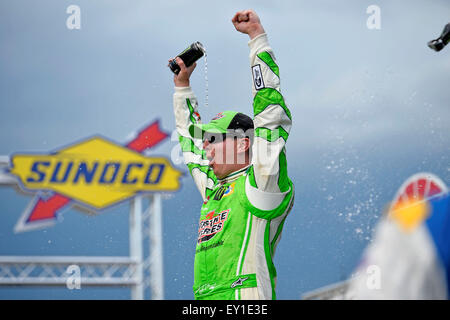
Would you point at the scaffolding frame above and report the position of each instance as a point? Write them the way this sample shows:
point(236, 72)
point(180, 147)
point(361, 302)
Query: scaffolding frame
point(335, 291)
point(142, 270)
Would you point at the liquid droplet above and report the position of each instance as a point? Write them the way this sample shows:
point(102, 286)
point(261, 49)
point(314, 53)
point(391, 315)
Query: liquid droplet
point(206, 80)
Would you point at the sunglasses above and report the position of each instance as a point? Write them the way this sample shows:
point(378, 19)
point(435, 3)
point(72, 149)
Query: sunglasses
point(214, 137)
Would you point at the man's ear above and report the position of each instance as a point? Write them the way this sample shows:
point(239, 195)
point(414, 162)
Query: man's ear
point(244, 144)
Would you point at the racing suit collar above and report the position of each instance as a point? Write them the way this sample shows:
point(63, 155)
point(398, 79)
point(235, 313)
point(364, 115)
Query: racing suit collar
point(233, 176)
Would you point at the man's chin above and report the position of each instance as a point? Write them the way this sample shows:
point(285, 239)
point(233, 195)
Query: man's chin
point(217, 172)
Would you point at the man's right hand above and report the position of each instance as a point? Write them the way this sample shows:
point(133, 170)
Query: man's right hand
point(182, 78)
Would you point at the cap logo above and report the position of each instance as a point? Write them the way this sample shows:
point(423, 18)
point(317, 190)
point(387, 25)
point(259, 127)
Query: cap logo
point(220, 115)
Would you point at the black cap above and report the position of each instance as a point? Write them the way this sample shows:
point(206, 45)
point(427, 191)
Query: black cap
point(242, 122)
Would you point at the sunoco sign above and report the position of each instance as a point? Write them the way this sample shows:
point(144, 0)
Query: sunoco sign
point(94, 173)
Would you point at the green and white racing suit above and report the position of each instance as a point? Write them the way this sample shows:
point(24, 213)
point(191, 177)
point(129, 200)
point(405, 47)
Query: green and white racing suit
point(243, 214)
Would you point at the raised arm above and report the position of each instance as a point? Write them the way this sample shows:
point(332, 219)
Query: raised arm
point(186, 113)
point(272, 118)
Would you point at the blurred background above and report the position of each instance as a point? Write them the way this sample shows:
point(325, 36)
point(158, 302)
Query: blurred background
point(370, 108)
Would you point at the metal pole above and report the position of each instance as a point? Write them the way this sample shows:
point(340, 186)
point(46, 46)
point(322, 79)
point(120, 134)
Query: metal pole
point(137, 290)
point(156, 249)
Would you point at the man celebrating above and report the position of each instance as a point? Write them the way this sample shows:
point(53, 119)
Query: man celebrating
point(239, 166)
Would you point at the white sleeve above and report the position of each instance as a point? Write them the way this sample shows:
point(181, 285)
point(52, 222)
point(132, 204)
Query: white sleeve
point(185, 107)
point(272, 120)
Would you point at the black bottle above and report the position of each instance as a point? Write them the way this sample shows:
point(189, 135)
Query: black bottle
point(192, 53)
point(442, 41)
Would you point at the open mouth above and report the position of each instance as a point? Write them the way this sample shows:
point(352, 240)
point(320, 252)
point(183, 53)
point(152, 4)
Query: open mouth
point(212, 162)
point(211, 158)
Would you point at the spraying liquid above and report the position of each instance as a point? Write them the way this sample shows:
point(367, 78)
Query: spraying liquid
point(206, 80)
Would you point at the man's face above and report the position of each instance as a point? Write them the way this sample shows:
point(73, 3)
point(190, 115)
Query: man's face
point(224, 153)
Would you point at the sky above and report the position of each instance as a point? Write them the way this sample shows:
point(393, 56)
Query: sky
point(370, 108)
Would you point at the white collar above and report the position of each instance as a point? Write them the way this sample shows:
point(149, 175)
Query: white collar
point(233, 176)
